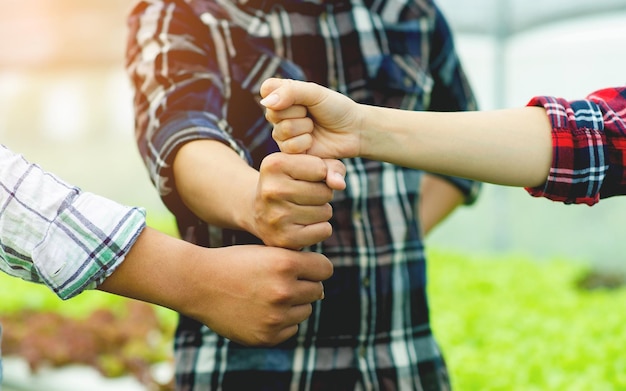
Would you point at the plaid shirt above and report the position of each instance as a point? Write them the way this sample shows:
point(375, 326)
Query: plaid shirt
point(197, 66)
point(54, 234)
point(589, 141)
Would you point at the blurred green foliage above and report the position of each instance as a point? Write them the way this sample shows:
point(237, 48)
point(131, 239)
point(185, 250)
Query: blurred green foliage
point(164, 222)
point(17, 295)
point(504, 322)
point(510, 323)
point(115, 335)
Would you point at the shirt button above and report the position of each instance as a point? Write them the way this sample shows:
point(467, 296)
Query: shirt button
point(366, 282)
point(357, 216)
point(362, 351)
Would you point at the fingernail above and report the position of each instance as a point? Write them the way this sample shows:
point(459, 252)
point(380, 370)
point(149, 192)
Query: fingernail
point(341, 179)
point(270, 100)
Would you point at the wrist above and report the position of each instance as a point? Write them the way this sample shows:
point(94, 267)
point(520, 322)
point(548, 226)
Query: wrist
point(205, 172)
point(245, 215)
point(371, 131)
point(150, 271)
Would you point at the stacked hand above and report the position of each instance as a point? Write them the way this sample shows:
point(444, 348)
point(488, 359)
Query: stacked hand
point(292, 201)
point(311, 119)
point(254, 295)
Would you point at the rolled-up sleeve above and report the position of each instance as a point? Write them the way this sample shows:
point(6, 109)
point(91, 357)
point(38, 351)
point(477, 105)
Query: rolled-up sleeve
point(55, 234)
point(181, 88)
point(589, 145)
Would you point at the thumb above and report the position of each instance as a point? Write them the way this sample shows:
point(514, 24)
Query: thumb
point(269, 85)
point(335, 174)
point(279, 94)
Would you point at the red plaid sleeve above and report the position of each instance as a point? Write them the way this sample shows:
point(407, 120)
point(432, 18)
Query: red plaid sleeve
point(589, 144)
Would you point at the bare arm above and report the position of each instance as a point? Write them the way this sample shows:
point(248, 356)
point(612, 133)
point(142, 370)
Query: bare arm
point(438, 199)
point(509, 147)
point(216, 184)
point(286, 203)
point(251, 294)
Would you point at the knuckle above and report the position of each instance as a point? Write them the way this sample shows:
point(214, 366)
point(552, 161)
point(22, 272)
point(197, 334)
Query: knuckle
point(286, 265)
point(326, 231)
point(287, 126)
point(272, 161)
point(265, 339)
point(277, 133)
point(274, 320)
point(271, 190)
point(330, 211)
point(320, 166)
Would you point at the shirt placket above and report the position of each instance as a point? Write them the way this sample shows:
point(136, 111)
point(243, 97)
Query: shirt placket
point(364, 243)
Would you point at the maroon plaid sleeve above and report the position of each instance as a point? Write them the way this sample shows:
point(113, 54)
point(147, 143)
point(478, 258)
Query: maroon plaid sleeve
point(589, 144)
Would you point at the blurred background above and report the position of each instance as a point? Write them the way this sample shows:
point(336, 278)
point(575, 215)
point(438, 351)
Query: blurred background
point(65, 100)
point(66, 104)
point(513, 50)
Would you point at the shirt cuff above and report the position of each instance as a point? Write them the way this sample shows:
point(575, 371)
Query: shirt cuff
point(579, 163)
point(85, 243)
point(171, 136)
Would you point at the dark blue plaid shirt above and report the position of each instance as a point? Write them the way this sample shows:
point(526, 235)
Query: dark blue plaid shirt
point(197, 67)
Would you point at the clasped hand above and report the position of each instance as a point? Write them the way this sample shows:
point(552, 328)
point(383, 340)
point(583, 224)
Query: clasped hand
point(292, 202)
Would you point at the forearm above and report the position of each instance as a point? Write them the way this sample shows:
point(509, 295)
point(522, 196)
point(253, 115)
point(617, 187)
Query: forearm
point(438, 199)
point(508, 147)
point(178, 85)
point(215, 183)
point(152, 271)
point(250, 294)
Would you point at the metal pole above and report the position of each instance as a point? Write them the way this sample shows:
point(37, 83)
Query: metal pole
point(502, 239)
point(502, 34)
